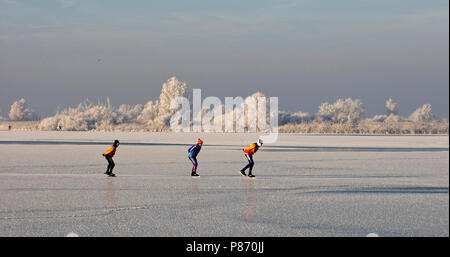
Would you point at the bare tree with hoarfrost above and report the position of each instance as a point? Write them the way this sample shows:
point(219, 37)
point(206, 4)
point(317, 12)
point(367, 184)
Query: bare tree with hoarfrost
point(251, 113)
point(422, 114)
point(391, 113)
point(20, 112)
point(156, 115)
point(391, 107)
point(127, 114)
point(153, 116)
point(341, 111)
point(86, 116)
point(294, 118)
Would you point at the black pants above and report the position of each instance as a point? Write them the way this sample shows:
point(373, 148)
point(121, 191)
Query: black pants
point(250, 164)
point(111, 164)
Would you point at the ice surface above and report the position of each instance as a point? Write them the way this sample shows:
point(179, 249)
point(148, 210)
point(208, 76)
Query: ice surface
point(52, 184)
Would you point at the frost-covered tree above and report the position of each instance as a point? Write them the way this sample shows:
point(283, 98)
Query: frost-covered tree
point(293, 118)
point(394, 118)
point(391, 107)
point(422, 114)
point(251, 114)
point(341, 111)
point(86, 116)
point(157, 114)
point(20, 112)
point(126, 113)
point(104, 117)
point(391, 113)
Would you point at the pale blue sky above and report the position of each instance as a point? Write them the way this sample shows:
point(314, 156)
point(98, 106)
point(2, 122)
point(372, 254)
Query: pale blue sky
point(59, 52)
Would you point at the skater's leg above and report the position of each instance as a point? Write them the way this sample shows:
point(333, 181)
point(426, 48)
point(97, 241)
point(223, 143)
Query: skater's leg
point(251, 169)
point(111, 165)
point(251, 163)
point(194, 164)
point(246, 167)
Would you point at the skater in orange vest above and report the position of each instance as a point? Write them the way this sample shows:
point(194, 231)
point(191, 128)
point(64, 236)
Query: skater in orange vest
point(249, 152)
point(109, 154)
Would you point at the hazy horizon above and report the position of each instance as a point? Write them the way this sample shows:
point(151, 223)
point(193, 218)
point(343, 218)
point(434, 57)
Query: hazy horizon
point(60, 52)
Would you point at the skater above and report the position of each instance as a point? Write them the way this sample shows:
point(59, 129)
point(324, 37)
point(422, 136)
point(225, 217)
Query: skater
point(193, 152)
point(249, 152)
point(109, 154)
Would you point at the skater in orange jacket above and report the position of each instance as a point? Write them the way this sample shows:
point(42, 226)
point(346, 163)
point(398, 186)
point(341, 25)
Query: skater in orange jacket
point(109, 154)
point(249, 152)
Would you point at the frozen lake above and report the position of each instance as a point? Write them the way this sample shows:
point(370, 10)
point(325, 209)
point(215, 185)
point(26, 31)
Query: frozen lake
point(52, 183)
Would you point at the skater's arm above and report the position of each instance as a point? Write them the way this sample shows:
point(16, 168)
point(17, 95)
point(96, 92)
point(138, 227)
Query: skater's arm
point(192, 148)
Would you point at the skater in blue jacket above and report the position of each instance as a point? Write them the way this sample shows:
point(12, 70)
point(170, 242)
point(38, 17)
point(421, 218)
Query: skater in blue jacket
point(193, 152)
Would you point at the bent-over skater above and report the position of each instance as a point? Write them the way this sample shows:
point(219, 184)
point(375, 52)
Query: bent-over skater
point(109, 154)
point(193, 152)
point(249, 152)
